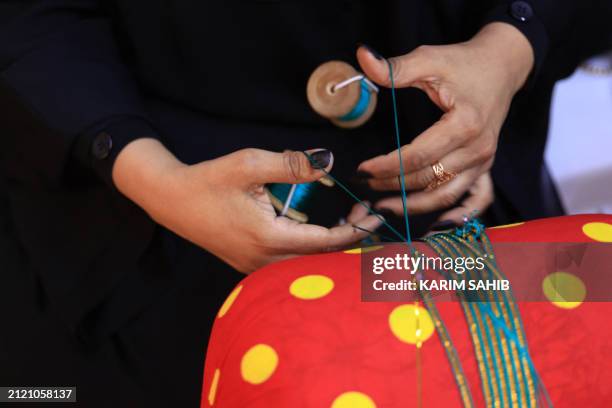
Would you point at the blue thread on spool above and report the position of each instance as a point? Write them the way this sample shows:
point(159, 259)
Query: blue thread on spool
point(301, 197)
point(361, 106)
point(296, 200)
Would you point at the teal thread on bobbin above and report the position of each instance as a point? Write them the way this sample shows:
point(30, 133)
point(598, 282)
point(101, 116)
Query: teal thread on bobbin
point(362, 104)
point(296, 201)
point(296, 196)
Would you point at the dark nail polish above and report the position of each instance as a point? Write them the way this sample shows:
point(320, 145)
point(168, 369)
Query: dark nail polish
point(372, 51)
point(362, 175)
point(320, 159)
point(386, 213)
point(443, 225)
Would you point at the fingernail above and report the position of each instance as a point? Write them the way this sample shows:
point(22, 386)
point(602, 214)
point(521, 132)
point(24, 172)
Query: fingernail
point(372, 51)
point(442, 225)
point(386, 213)
point(320, 159)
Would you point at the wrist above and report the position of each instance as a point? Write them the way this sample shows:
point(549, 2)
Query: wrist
point(510, 49)
point(144, 172)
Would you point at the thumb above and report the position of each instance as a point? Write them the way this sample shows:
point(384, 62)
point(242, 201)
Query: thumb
point(293, 167)
point(407, 69)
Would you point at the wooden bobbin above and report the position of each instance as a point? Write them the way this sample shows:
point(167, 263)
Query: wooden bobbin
point(292, 213)
point(334, 104)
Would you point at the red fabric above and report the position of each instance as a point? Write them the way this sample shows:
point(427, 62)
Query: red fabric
point(336, 343)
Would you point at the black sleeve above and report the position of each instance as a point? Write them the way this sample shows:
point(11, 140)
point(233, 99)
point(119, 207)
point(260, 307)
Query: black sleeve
point(59, 62)
point(545, 23)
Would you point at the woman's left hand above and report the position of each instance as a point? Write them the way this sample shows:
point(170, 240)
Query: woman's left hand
point(473, 83)
point(479, 197)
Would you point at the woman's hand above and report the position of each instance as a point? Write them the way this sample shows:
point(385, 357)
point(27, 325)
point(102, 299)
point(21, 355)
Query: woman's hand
point(479, 197)
point(473, 83)
point(221, 204)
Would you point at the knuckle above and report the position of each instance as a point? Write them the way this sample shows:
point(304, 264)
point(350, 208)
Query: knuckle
point(423, 178)
point(294, 164)
point(480, 156)
point(425, 51)
point(249, 153)
point(435, 55)
point(396, 65)
point(489, 195)
point(248, 159)
point(471, 122)
point(489, 198)
point(488, 164)
point(381, 185)
point(420, 159)
point(325, 244)
point(388, 184)
point(445, 139)
point(486, 152)
point(448, 198)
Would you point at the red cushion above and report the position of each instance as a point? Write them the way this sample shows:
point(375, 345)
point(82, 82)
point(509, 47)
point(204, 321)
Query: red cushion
point(272, 348)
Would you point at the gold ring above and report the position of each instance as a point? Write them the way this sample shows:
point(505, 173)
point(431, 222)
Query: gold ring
point(441, 176)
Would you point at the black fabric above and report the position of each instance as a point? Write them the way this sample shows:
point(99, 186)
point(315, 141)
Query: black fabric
point(96, 293)
point(152, 359)
point(120, 131)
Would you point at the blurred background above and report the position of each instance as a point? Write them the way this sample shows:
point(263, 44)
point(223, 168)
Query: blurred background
point(579, 150)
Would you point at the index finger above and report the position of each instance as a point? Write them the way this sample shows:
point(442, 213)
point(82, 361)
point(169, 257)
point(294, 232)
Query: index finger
point(425, 150)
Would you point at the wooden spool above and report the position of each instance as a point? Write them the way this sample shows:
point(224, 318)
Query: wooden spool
point(332, 103)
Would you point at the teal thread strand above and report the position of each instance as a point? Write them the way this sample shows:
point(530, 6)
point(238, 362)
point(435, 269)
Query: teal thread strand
point(354, 197)
point(399, 152)
point(470, 310)
point(436, 247)
point(367, 207)
point(362, 104)
point(483, 351)
point(383, 236)
point(523, 351)
point(451, 352)
point(511, 334)
point(501, 324)
point(487, 312)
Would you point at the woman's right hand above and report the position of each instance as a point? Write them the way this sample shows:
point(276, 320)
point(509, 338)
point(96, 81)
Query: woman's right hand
point(221, 204)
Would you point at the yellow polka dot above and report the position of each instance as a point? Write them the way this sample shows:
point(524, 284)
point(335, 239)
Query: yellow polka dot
point(311, 287)
point(598, 231)
point(353, 399)
point(411, 324)
point(229, 301)
point(564, 290)
point(363, 250)
point(212, 393)
point(258, 364)
point(516, 224)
